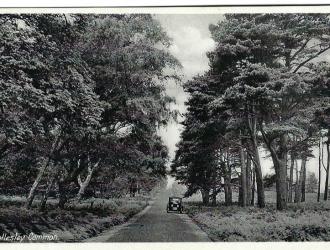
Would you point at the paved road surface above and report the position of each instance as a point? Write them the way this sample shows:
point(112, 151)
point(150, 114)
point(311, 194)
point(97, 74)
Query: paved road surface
point(155, 225)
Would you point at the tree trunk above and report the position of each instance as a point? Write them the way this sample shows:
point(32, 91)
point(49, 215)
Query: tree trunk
point(46, 194)
point(296, 191)
point(243, 176)
point(253, 187)
point(248, 180)
point(298, 197)
point(205, 195)
point(83, 184)
point(260, 184)
point(62, 194)
point(303, 181)
point(214, 196)
point(228, 188)
point(228, 193)
point(281, 187)
point(320, 165)
point(41, 173)
point(326, 188)
point(214, 186)
point(240, 195)
point(279, 160)
point(256, 160)
point(36, 183)
point(290, 198)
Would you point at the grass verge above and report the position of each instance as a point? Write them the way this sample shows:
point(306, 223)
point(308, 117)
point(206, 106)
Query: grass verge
point(74, 223)
point(304, 222)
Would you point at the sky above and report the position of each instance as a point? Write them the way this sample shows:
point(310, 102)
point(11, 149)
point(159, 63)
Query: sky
point(191, 40)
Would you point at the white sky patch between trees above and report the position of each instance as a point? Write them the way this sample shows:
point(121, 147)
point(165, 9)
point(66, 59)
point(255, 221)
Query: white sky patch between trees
point(190, 42)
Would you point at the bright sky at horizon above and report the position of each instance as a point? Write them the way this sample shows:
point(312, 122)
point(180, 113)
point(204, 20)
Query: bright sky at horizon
point(191, 40)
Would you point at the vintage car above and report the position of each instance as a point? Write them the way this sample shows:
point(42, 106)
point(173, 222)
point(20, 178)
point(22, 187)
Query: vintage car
point(174, 205)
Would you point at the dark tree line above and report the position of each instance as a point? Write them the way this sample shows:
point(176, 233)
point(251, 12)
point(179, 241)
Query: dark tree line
point(82, 97)
point(267, 87)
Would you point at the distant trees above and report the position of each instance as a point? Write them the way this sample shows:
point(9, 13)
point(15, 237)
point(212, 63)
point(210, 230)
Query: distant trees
point(82, 95)
point(261, 90)
point(323, 120)
point(311, 183)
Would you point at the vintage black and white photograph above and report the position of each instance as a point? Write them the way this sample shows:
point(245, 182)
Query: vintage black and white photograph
point(148, 126)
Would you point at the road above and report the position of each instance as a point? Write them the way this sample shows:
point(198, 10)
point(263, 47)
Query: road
point(156, 225)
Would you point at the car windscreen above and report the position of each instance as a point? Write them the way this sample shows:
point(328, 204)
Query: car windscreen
point(175, 200)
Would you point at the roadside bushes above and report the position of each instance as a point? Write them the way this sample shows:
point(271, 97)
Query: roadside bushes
point(71, 224)
point(310, 223)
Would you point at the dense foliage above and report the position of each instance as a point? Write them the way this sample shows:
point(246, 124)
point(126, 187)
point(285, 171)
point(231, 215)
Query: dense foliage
point(82, 97)
point(264, 89)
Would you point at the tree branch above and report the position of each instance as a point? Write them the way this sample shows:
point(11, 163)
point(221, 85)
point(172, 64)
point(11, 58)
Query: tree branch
point(79, 181)
point(268, 143)
point(311, 58)
point(299, 50)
